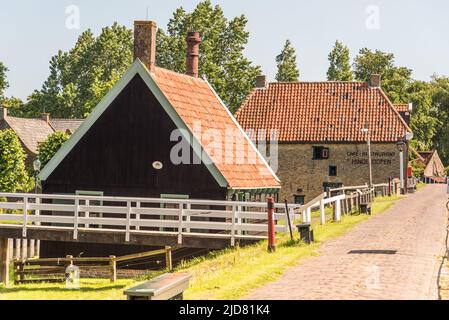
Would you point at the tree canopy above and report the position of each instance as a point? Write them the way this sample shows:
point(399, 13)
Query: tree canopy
point(339, 63)
point(47, 149)
point(395, 80)
point(13, 173)
point(222, 58)
point(3, 80)
point(80, 77)
point(286, 64)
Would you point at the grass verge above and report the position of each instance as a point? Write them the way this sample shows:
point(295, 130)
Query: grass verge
point(226, 274)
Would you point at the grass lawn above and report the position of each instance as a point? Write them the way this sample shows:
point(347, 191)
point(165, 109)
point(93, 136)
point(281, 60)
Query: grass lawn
point(225, 274)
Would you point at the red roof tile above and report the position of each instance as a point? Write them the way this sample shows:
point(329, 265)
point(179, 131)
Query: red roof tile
point(198, 105)
point(322, 112)
point(403, 107)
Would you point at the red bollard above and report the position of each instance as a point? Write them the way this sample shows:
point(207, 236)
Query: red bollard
point(271, 233)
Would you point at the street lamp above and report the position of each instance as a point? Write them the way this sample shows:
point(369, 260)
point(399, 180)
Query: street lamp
point(401, 145)
point(37, 168)
point(368, 142)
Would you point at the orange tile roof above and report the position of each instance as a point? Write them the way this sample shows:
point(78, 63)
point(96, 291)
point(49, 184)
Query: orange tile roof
point(322, 112)
point(198, 105)
point(403, 107)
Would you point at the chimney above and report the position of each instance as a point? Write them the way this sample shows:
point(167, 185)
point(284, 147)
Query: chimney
point(261, 82)
point(45, 117)
point(193, 49)
point(145, 43)
point(3, 113)
point(374, 81)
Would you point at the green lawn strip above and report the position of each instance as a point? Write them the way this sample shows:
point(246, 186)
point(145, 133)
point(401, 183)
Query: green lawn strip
point(227, 274)
point(90, 289)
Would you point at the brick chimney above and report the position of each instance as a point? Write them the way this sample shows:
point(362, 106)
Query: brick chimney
point(193, 52)
point(261, 82)
point(3, 113)
point(374, 81)
point(145, 43)
point(45, 117)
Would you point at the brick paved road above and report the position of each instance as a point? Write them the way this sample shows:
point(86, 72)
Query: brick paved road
point(414, 228)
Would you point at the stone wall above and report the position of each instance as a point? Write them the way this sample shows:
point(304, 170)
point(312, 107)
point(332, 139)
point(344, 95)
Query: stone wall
point(300, 174)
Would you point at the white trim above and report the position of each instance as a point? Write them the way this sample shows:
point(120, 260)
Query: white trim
point(136, 68)
point(245, 135)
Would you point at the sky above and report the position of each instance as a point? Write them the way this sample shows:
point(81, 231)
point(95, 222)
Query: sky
point(31, 32)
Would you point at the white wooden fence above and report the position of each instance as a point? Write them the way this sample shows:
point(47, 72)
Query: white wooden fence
point(231, 220)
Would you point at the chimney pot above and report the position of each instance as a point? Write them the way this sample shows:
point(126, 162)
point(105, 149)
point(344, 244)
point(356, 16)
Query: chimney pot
point(3, 112)
point(261, 81)
point(145, 43)
point(193, 49)
point(45, 117)
point(374, 81)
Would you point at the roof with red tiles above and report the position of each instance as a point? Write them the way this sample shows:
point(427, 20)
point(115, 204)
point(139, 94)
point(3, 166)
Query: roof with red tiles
point(209, 120)
point(403, 107)
point(322, 112)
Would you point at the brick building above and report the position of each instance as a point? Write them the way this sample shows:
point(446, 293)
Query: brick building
point(320, 131)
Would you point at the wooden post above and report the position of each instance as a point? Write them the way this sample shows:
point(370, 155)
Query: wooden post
point(309, 215)
point(18, 249)
point(4, 261)
point(24, 249)
point(322, 212)
point(168, 258)
point(113, 268)
point(338, 210)
point(31, 252)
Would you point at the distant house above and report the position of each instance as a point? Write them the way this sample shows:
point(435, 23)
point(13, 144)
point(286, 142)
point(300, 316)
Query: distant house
point(130, 143)
point(434, 168)
point(31, 132)
point(320, 130)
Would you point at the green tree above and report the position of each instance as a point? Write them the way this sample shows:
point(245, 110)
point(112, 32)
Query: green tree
point(13, 173)
point(440, 101)
point(395, 80)
point(222, 58)
point(3, 80)
point(47, 149)
point(286, 64)
point(339, 64)
point(80, 77)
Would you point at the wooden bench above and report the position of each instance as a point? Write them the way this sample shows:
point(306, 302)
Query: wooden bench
point(365, 208)
point(169, 286)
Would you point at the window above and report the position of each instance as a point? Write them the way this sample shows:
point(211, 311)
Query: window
point(332, 171)
point(320, 153)
point(299, 199)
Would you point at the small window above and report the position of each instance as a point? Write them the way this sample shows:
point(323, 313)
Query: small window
point(320, 153)
point(299, 199)
point(332, 171)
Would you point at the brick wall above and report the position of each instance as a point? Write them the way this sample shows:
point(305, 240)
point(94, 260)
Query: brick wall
point(301, 175)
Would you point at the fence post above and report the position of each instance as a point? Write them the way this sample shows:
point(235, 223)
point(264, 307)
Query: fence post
point(24, 249)
point(18, 249)
point(87, 213)
point(322, 212)
point(338, 210)
point(25, 216)
point(233, 226)
point(113, 268)
point(181, 214)
point(309, 215)
point(239, 220)
point(4, 261)
point(128, 220)
point(75, 224)
point(189, 206)
point(168, 258)
point(271, 231)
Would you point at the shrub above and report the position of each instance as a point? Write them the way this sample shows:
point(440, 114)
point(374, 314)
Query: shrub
point(47, 149)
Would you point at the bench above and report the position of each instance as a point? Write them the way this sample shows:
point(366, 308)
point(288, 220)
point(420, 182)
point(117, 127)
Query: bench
point(169, 286)
point(365, 208)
